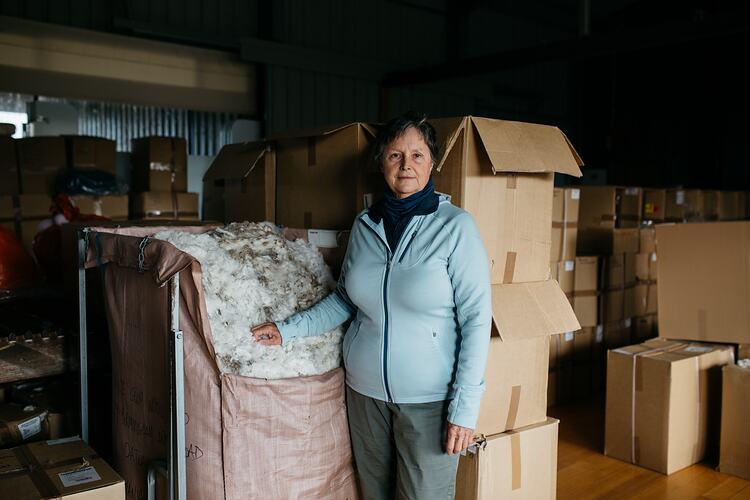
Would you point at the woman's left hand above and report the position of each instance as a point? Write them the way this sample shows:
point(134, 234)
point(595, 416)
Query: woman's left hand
point(458, 438)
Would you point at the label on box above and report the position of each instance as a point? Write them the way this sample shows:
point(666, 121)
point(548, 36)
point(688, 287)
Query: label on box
point(679, 197)
point(631, 191)
point(653, 256)
point(79, 476)
point(628, 322)
point(699, 349)
point(31, 427)
point(599, 334)
point(569, 265)
point(575, 194)
point(568, 336)
point(322, 238)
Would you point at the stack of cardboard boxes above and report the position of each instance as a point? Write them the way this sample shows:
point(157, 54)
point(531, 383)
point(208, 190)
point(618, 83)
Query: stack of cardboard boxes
point(664, 396)
point(695, 205)
point(159, 180)
point(500, 172)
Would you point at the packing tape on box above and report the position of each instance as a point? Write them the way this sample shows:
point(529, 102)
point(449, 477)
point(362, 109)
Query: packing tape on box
point(36, 473)
point(515, 401)
point(515, 460)
point(562, 225)
point(702, 324)
point(607, 218)
point(510, 267)
point(511, 181)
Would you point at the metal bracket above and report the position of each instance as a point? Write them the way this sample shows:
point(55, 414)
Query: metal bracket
point(83, 366)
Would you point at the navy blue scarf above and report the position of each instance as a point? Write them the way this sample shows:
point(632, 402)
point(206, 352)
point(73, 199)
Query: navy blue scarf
point(396, 213)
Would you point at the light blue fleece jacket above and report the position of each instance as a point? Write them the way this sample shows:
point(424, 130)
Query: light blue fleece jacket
point(421, 312)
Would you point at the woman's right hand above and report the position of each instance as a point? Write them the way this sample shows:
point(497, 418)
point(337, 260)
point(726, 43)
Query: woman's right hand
point(266, 334)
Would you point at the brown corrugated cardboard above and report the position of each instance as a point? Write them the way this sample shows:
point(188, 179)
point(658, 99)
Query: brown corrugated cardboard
point(728, 205)
point(163, 205)
point(742, 205)
point(22, 424)
point(644, 327)
point(683, 205)
point(8, 166)
point(159, 164)
point(710, 205)
point(561, 348)
point(618, 304)
point(564, 274)
point(654, 204)
point(585, 294)
point(663, 402)
point(91, 153)
point(524, 317)
point(602, 209)
point(617, 333)
point(646, 266)
point(502, 173)
point(583, 342)
point(619, 270)
point(521, 464)
point(40, 160)
point(647, 240)
point(564, 223)
point(734, 451)
point(324, 177)
point(703, 277)
point(114, 207)
point(240, 185)
point(645, 299)
point(62, 469)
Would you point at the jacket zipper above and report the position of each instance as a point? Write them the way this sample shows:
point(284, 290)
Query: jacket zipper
point(407, 247)
point(385, 330)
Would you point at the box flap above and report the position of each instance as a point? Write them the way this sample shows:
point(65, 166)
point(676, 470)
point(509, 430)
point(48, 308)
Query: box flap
point(329, 129)
point(525, 310)
point(236, 161)
point(451, 129)
point(527, 147)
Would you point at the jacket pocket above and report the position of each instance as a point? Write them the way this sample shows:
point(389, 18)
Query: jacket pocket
point(350, 337)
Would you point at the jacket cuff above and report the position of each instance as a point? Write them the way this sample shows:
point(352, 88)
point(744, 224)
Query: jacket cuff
point(463, 410)
point(289, 329)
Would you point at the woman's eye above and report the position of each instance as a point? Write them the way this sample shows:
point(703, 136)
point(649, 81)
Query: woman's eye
point(394, 156)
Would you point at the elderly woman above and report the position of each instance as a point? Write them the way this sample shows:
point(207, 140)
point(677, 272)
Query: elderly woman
point(415, 283)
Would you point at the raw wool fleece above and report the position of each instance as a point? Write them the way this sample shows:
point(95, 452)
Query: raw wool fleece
point(251, 275)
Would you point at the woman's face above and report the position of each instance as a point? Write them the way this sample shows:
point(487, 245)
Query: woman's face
point(407, 163)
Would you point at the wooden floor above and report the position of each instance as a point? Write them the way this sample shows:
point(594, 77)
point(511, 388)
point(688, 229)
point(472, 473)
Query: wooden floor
point(584, 472)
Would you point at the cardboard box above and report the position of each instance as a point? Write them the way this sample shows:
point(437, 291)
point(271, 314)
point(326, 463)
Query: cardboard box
point(519, 464)
point(617, 333)
point(728, 205)
point(159, 164)
point(524, 317)
point(603, 209)
point(663, 402)
point(114, 207)
point(618, 304)
point(704, 277)
point(91, 153)
point(502, 173)
point(646, 266)
point(710, 205)
point(585, 294)
point(22, 424)
point(645, 299)
point(742, 205)
point(163, 205)
point(654, 205)
point(40, 160)
point(561, 348)
point(644, 328)
point(647, 240)
point(582, 383)
point(331, 244)
point(684, 205)
point(62, 469)
point(564, 274)
point(240, 184)
point(564, 223)
point(583, 341)
point(325, 177)
point(619, 270)
point(8, 166)
point(734, 452)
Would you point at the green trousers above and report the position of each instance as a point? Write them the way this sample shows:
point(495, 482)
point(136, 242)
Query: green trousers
point(399, 449)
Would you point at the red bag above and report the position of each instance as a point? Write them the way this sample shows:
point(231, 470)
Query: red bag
point(17, 267)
